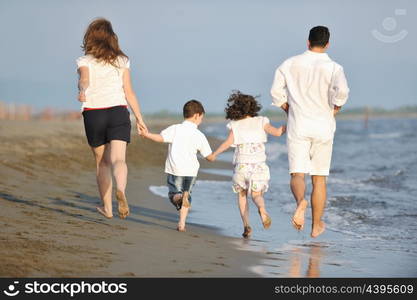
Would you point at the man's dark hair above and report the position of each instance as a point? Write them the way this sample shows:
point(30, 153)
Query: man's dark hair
point(191, 108)
point(319, 36)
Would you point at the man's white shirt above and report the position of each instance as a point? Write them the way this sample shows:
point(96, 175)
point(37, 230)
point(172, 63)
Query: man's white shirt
point(312, 84)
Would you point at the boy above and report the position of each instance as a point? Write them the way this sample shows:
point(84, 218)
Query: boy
point(182, 164)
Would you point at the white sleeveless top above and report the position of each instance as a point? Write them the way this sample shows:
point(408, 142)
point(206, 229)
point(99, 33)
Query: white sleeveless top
point(249, 139)
point(105, 87)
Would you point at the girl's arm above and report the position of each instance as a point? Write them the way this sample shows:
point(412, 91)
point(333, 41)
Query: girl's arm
point(83, 83)
point(223, 147)
point(133, 101)
point(275, 131)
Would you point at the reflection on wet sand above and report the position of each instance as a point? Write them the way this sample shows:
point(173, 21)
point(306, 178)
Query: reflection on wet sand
point(314, 253)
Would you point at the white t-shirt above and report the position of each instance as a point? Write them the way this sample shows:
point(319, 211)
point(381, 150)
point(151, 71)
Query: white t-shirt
point(249, 139)
point(312, 84)
point(105, 87)
point(185, 140)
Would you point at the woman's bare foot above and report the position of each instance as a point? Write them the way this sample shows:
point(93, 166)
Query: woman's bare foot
point(123, 206)
point(298, 217)
point(103, 211)
point(266, 220)
point(185, 201)
point(317, 230)
point(247, 232)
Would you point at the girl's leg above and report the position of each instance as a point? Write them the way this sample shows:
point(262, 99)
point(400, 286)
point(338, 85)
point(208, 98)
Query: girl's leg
point(244, 206)
point(118, 162)
point(258, 199)
point(104, 180)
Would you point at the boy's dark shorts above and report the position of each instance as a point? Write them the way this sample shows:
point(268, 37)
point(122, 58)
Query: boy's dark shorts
point(180, 184)
point(104, 125)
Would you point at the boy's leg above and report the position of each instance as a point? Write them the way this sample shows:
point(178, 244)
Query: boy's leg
point(104, 179)
point(187, 185)
point(259, 201)
point(298, 188)
point(318, 202)
point(183, 216)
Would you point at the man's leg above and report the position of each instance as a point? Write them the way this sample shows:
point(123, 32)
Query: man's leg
point(298, 188)
point(318, 202)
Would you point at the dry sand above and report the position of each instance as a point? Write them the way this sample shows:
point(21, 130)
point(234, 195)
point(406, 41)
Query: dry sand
point(50, 227)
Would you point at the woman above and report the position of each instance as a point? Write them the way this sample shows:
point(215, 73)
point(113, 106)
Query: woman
point(105, 90)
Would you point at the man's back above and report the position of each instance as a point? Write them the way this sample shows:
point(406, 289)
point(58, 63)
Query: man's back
point(312, 84)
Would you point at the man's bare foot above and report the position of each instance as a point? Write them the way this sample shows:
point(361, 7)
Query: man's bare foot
point(247, 232)
point(266, 220)
point(123, 206)
point(102, 211)
point(298, 217)
point(317, 230)
point(185, 201)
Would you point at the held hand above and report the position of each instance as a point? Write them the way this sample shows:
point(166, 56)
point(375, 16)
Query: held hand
point(141, 127)
point(336, 109)
point(81, 97)
point(285, 107)
point(211, 157)
point(283, 129)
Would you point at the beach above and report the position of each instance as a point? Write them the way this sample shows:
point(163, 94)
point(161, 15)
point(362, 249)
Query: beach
point(50, 227)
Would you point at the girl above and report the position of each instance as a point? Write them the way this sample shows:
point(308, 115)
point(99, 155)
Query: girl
point(248, 134)
point(105, 90)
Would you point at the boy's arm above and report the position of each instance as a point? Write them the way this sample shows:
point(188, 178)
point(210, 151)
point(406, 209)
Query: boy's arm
point(274, 130)
point(223, 147)
point(153, 137)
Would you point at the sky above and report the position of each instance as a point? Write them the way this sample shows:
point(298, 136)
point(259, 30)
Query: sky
point(181, 50)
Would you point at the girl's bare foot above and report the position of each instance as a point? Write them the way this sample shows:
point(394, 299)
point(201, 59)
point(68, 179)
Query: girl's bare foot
point(318, 229)
point(266, 220)
point(247, 232)
point(123, 206)
point(102, 211)
point(298, 217)
point(185, 201)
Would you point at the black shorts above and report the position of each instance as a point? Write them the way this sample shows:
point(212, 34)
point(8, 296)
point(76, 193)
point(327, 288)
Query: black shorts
point(104, 125)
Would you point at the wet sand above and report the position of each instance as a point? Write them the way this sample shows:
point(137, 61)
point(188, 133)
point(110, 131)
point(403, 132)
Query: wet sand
point(50, 226)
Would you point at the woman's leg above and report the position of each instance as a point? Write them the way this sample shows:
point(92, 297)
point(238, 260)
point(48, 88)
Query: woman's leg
point(118, 162)
point(104, 179)
point(258, 199)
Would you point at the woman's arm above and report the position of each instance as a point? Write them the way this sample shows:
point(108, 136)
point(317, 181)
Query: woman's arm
point(275, 131)
point(223, 147)
point(133, 101)
point(83, 83)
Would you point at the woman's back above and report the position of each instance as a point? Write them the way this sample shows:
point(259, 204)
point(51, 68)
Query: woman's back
point(105, 82)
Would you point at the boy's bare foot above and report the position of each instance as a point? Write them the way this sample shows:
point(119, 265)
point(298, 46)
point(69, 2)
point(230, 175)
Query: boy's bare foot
point(177, 201)
point(317, 230)
point(185, 201)
point(266, 220)
point(247, 232)
point(123, 206)
point(298, 217)
point(102, 211)
point(181, 228)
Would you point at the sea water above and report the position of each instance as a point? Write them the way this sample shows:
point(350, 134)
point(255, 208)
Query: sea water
point(371, 212)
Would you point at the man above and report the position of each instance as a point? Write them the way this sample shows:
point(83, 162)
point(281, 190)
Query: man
point(311, 89)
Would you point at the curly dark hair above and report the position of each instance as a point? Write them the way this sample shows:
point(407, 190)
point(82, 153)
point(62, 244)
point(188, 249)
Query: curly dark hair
point(240, 105)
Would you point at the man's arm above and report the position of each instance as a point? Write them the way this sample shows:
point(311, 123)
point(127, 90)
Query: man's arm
point(279, 91)
point(340, 91)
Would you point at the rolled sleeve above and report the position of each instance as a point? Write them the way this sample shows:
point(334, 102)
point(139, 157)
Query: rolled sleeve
point(278, 89)
point(205, 148)
point(168, 134)
point(82, 61)
point(340, 89)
